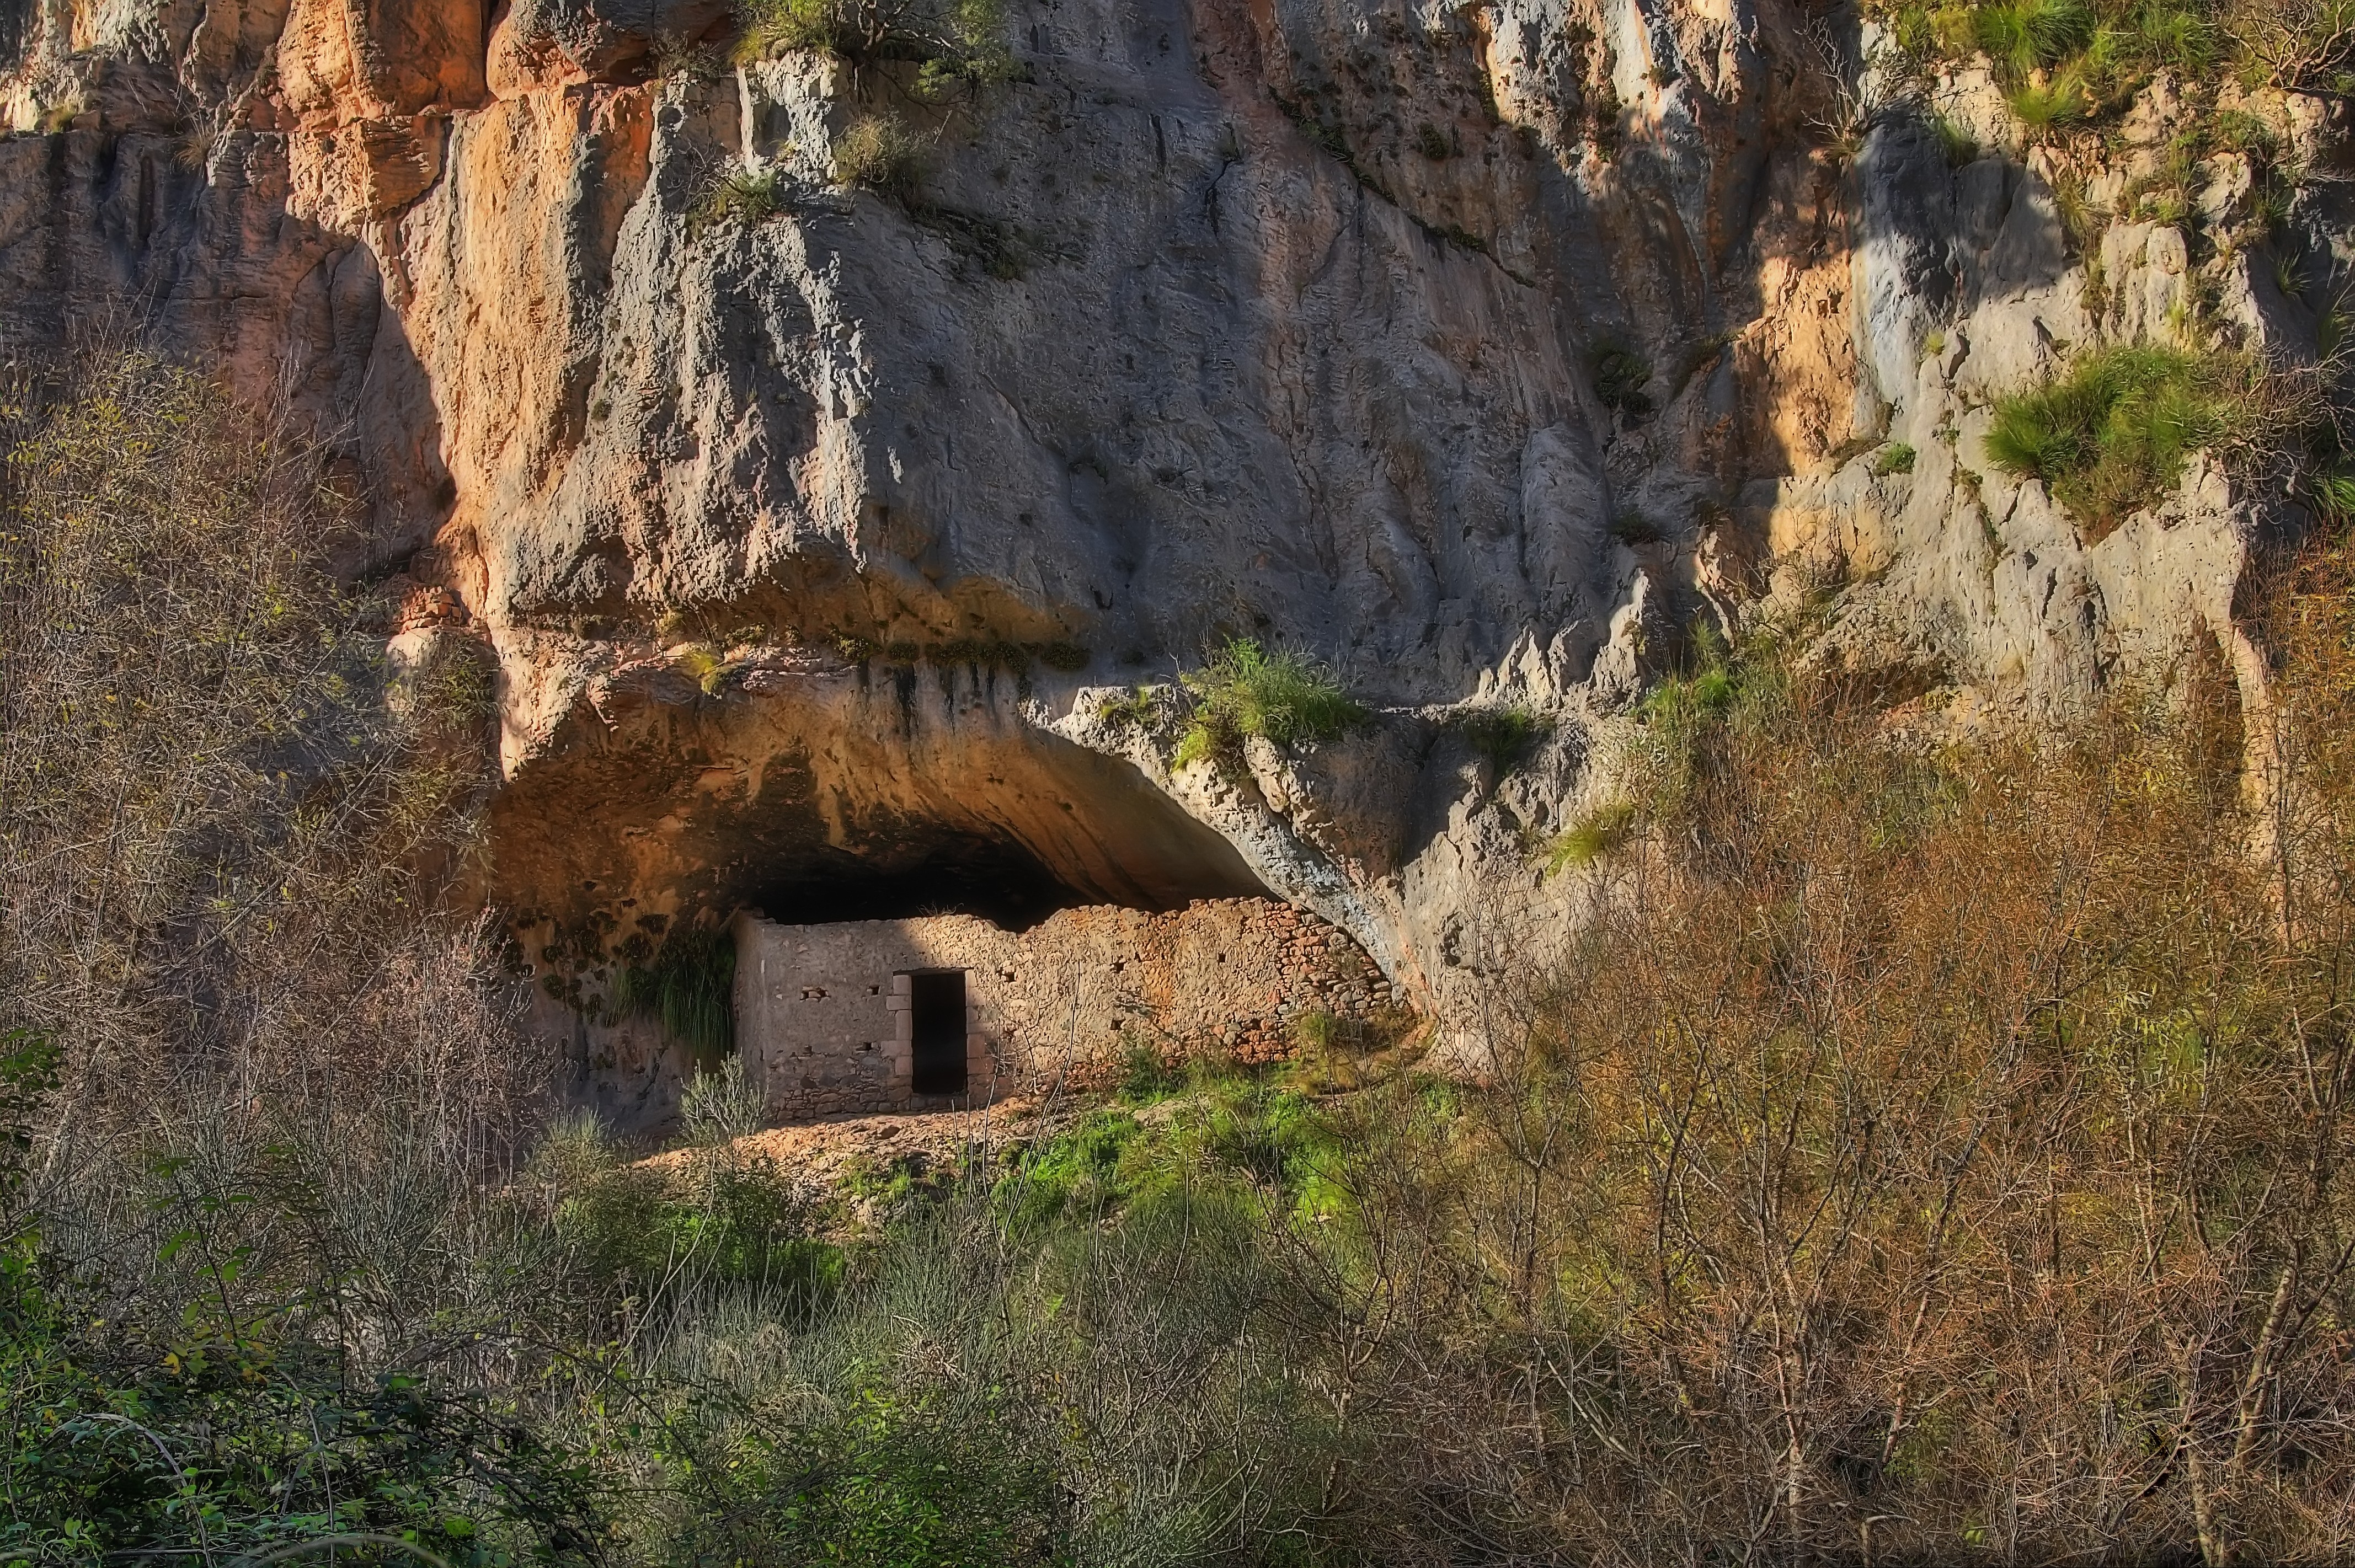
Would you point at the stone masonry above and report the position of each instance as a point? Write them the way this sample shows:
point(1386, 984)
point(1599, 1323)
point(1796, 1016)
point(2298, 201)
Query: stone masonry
point(823, 1012)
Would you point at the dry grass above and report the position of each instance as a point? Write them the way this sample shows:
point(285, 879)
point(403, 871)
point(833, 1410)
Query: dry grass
point(1935, 1157)
point(209, 809)
point(880, 154)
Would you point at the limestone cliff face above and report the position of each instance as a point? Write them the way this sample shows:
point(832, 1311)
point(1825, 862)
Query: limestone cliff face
point(1272, 317)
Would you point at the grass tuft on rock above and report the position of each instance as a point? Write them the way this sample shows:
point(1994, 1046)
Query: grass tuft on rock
point(1620, 376)
point(1282, 694)
point(1505, 735)
point(880, 154)
point(2025, 35)
point(741, 195)
point(2045, 106)
point(1592, 835)
point(2110, 436)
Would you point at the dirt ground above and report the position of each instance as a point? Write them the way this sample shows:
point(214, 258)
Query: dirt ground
point(817, 1154)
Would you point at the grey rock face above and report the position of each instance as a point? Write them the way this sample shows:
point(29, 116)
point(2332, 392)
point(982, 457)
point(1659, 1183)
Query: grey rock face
point(1481, 353)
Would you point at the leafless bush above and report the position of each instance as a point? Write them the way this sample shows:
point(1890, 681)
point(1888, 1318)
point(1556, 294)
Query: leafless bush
point(1937, 1155)
point(213, 828)
point(2300, 43)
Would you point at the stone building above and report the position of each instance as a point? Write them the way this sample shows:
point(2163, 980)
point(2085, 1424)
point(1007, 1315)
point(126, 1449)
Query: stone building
point(950, 1009)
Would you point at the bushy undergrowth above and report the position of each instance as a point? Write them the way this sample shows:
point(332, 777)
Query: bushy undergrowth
point(1931, 1153)
point(213, 821)
point(1504, 735)
point(1244, 690)
point(2111, 435)
point(1657, 765)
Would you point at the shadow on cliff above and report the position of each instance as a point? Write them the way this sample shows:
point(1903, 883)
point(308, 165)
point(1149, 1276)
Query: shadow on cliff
point(142, 236)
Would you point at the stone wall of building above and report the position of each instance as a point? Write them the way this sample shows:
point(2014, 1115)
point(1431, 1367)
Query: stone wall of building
point(822, 1015)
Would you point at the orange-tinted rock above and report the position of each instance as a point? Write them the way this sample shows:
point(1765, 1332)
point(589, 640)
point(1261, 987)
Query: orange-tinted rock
point(342, 60)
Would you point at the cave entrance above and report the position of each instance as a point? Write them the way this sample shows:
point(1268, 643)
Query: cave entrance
point(936, 1022)
point(994, 878)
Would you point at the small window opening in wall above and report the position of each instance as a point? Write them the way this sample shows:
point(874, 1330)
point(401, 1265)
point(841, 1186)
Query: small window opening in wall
point(936, 1008)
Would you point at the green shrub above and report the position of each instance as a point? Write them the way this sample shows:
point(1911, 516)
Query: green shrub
point(1079, 1168)
point(1957, 145)
point(907, 1476)
point(2043, 107)
point(718, 1107)
point(1683, 701)
point(1069, 658)
point(956, 43)
point(1895, 458)
point(1282, 695)
point(1331, 1035)
point(1501, 735)
point(2103, 51)
point(2024, 36)
point(820, 25)
point(268, 1435)
point(1136, 708)
point(2331, 329)
point(2238, 131)
point(2272, 201)
point(880, 154)
point(1145, 1074)
point(2333, 496)
point(705, 663)
point(2157, 33)
point(2112, 434)
point(1688, 718)
point(1210, 738)
point(742, 194)
point(670, 54)
point(1620, 376)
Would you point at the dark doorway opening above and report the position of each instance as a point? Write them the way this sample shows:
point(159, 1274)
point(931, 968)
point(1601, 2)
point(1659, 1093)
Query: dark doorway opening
point(936, 1010)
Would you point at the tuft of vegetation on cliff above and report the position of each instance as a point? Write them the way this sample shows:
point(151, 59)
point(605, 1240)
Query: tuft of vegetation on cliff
point(1936, 1150)
point(954, 44)
point(2110, 436)
point(1279, 694)
point(2080, 58)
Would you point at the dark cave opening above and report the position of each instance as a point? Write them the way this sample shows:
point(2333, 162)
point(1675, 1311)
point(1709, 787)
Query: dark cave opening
point(996, 879)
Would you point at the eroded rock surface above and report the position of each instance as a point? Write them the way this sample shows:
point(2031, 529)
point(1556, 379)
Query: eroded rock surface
point(1478, 350)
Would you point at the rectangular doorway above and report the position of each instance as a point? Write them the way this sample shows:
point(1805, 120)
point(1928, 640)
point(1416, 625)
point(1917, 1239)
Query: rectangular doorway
point(936, 1010)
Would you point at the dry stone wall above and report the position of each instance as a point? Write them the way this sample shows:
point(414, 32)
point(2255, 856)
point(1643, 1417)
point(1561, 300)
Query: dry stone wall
point(823, 1012)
